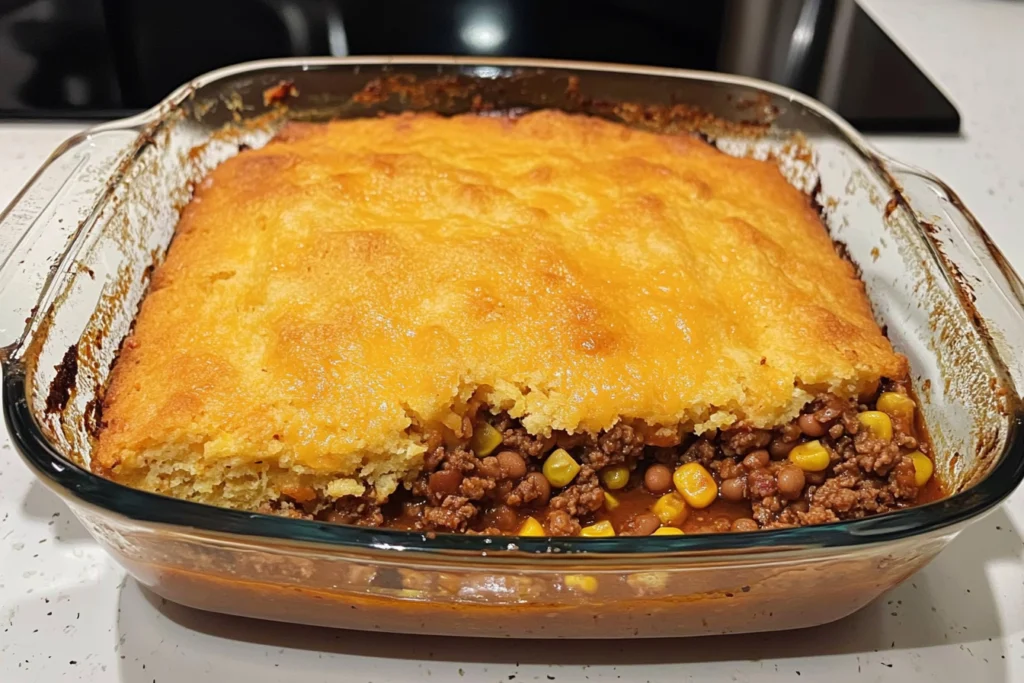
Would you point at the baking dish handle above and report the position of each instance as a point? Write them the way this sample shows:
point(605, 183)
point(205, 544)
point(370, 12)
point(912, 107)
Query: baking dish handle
point(987, 285)
point(41, 223)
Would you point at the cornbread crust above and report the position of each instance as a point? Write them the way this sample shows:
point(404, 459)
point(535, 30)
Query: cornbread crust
point(332, 299)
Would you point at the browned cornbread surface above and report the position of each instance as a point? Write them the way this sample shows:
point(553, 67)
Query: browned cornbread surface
point(334, 296)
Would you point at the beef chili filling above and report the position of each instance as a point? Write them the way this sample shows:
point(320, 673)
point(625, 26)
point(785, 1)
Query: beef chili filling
point(838, 460)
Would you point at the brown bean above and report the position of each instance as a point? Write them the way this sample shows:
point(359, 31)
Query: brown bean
point(799, 506)
point(489, 467)
point(512, 465)
point(810, 426)
point(757, 459)
point(744, 524)
point(719, 525)
point(780, 449)
point(444, 483)
point(335, 517)
point(734, 489)
point(643, 524)
point(658, 478)
point(504, 517)
point(815, 478)
point(541, 485)
point(791, 481)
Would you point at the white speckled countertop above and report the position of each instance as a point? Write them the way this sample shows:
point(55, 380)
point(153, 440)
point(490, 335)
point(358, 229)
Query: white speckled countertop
point(67, 612)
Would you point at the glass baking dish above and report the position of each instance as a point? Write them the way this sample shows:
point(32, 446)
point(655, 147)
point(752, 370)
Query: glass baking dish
point(84, 235)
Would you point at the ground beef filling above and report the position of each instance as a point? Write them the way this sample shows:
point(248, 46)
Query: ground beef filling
point(758, 485)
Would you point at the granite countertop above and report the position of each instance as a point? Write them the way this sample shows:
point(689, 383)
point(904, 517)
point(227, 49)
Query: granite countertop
point(68, 612)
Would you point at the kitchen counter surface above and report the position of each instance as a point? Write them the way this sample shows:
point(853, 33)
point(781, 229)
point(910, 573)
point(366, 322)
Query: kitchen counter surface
point(69, 613)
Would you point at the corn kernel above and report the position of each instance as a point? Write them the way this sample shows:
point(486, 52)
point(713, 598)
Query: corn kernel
point(923, 468)
point(560, 469)
point(485, 439)
point(668, 531)
point(531, 527)
point(696, 485)
point(671, 509)
point(615, 477)
point(896, 405)
point(610, 501)
point(810, 456)
point(581, 582)
point(878, 423)
point(598, 530)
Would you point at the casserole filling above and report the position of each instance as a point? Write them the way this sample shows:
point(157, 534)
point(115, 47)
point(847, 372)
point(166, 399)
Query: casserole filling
point(838, 460)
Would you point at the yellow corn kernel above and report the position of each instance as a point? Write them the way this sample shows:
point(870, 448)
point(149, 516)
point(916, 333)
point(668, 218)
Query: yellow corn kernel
point(581, 582)
point(896, 405)
point(598, 530)
point(615, 477)
point(531, 527)
point(610, 501)
point(810, 456)
point(485, 439)
point(671, 509)
point(668, 531)
point(878, 423)
point(923, 468)
point(696, 485)
point(560, 469)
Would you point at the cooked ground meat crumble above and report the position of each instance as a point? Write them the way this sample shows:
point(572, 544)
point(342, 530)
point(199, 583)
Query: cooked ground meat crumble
point(625, 471)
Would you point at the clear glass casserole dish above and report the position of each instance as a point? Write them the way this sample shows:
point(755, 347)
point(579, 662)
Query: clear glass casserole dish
point(84, 235)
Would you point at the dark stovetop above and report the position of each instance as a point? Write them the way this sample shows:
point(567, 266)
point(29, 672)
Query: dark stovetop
point(104, 58)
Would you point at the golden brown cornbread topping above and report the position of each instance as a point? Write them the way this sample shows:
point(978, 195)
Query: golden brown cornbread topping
point(335, 298)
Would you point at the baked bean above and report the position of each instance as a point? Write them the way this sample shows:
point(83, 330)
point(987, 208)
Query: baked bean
point(444, 483)
point(335, 517)
point(541, 485)
point(643, 524)
point(779, 449)
point(719, 525)
point(799, 506)
point(757, 459)
point(734, 489)
point(512, 465)
point(790, 481)
point(489, 467)
point(658, 478)
point(810, 426)
point(815, 478)
point(504, 517)
point(744, 524)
